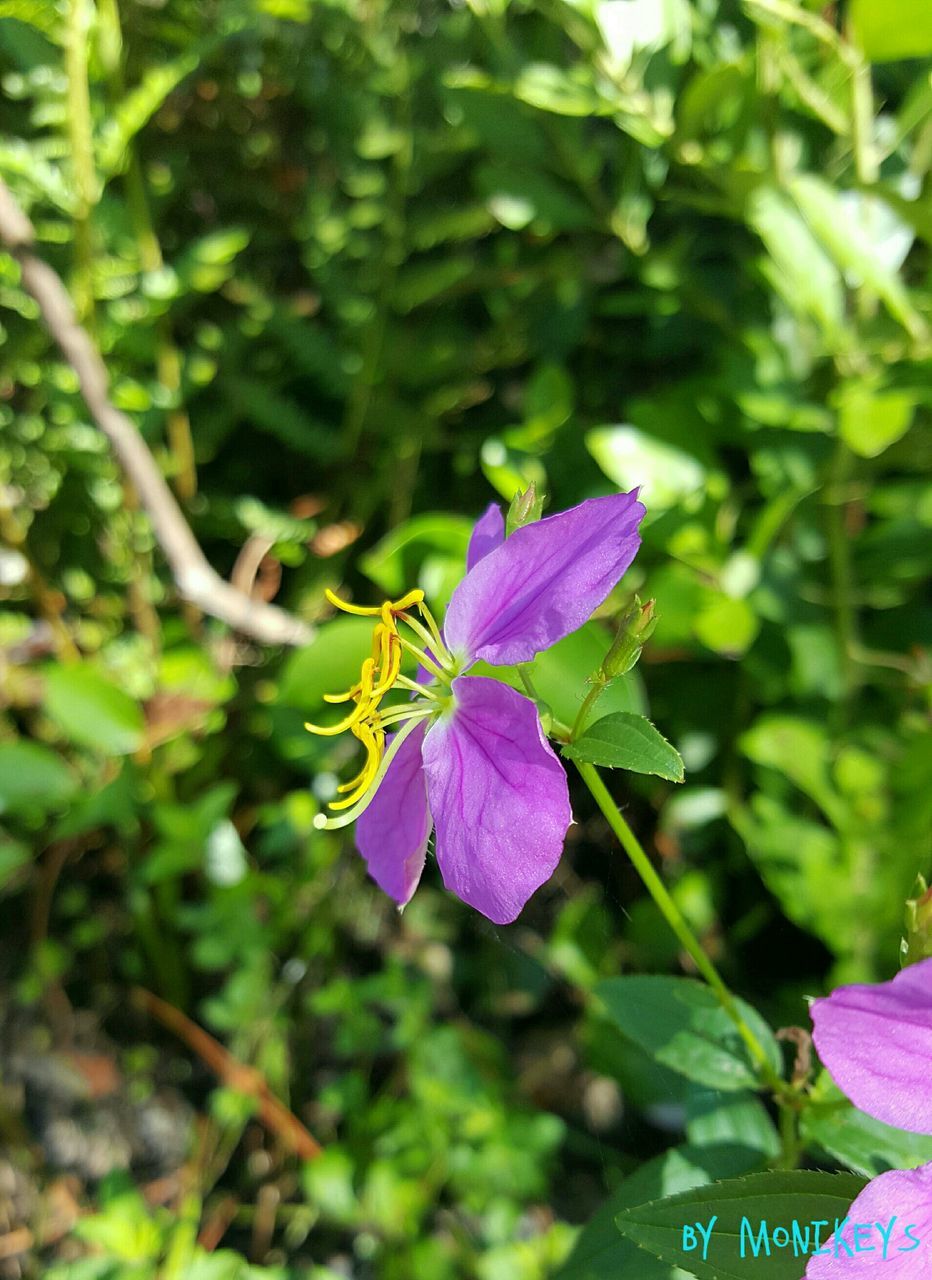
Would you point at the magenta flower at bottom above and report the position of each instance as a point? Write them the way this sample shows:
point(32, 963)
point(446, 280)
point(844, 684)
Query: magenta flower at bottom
point(876, 1042)
point(468, 757)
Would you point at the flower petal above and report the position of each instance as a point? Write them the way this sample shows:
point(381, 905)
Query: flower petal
point(544, 581)
point(498, 795)
point(392, 833)
point(876, 1042)
point(488, 533)
point(885, 1208)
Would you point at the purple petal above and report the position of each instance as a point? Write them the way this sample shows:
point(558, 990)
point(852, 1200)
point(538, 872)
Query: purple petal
point(876, 1042)
point(488, 533)
point(498, 795)
point(392, 833)
point(874, 1240)
point(544, 581)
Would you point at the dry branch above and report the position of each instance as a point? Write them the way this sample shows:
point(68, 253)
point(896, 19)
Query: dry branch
point(194, 578)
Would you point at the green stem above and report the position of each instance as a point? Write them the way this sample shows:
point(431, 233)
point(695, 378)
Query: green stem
point(81, 145)
point(839, 549)
point(674, 918)
point(588, 703)
point(789, 1137)
point(168, 358)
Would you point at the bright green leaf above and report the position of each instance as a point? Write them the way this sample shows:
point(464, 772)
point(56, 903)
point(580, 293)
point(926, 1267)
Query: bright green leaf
point(746, 1210)
point(626, 741)
point(33, 777)
point(680, 1022)
point(93, 712)
point(891, 29)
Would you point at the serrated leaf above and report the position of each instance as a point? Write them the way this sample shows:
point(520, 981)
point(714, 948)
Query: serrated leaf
point(601, 1253)
point(740, 1206)
point(623, 740)
point(680, 1023)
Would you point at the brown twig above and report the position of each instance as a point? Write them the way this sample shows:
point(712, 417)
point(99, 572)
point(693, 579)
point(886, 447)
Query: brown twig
point(16, 1242)
point(195, 579)
point(272, 1112)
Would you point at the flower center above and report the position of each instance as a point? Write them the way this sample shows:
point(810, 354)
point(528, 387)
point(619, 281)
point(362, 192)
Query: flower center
point(368, 720)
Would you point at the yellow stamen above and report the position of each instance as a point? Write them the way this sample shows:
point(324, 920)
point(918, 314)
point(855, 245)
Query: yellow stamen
point(380, 673)
point(374, 742)
point(362, 707)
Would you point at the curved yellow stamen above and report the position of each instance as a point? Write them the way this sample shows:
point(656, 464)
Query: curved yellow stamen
point(374, 742)
point(389, 664)
point(362, 707)
point(380, 673)
point(323, 823)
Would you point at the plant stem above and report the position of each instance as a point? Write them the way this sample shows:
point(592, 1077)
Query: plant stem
point(674, 918)
point(81, 145)
point(168, 358)
point(588, 703)
point(789, 1137)
point(839, 549)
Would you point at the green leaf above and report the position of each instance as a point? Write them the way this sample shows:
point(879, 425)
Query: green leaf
point(890, 29)
point(551, 88)
point(800, 269)
point(626, 741)
point(330, 664)
point(33, 777)
point(666, 475)
point(680, 1022)
point(93, 712)
point(799, 750)
point(428, 551)
point(716, 1118)
point(602, 1254)
point(862, 1143)
point(13, 855)
point(745, 1211)
point(135, 111)
point(726, 625)
point(43, 15)
point(870, 421)
point(849, 245)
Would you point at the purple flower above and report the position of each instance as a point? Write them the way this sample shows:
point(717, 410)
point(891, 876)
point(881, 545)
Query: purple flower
point(470, 759)
point(876, 1042)
point(894, 1213)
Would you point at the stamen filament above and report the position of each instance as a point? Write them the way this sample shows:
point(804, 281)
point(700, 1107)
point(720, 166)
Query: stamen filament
point(429, 619)
point(424, 660)
point(406, 713)
point(429, 640)
point(404, 683)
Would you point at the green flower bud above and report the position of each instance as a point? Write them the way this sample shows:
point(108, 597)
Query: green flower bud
point(526, 508)
point(635, 627)
point(917, 944)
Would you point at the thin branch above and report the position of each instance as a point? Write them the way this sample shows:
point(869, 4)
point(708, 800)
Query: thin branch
point(195, 579)
point(234, 1074)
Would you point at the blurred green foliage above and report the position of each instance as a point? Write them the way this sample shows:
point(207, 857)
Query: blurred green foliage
point(357, 267)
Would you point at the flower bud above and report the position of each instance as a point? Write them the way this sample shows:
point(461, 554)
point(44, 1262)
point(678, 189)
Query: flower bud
point(635, 628)
point(526, 508)
point(917, 944)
